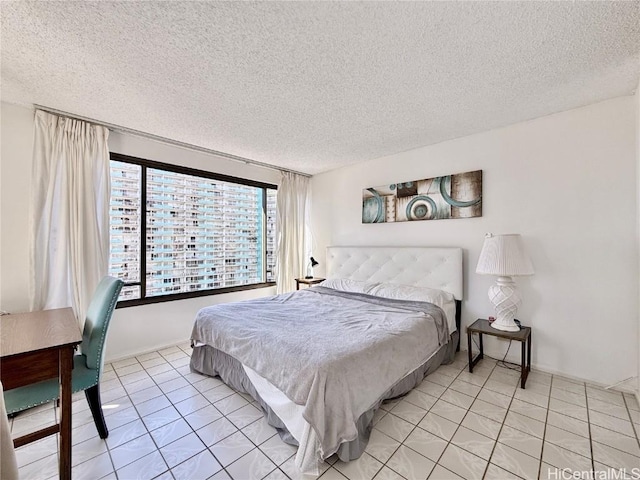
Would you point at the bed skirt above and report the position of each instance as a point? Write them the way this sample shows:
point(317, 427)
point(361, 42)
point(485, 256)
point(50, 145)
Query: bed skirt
point(210, 361)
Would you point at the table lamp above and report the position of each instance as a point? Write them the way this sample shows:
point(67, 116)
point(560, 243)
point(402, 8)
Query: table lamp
point(504, 256)
point(312, 263)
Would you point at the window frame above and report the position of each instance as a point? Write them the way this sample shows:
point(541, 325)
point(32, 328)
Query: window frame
point(145, 164)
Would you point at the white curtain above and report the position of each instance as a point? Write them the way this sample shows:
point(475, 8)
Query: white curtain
point(70, 212)
point(291, 225)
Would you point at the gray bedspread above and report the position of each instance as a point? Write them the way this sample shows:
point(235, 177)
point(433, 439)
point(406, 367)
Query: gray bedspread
point(327, 350)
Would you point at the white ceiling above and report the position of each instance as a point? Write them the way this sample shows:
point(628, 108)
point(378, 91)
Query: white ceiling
point(312, 86)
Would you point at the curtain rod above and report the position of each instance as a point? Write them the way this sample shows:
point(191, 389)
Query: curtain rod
point(158, 138)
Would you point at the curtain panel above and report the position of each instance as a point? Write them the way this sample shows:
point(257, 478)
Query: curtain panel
point(291, 225)
point(70, 212)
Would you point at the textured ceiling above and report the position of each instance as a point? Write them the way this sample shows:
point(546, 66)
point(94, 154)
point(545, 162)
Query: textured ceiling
point(312, 86)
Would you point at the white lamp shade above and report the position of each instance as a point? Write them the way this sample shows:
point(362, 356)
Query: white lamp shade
point(504, 255)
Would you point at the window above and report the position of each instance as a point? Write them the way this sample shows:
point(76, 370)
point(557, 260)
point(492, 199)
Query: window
point(203, 233)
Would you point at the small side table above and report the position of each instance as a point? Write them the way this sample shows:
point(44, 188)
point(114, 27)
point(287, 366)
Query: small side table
point(307, 281)
point(482, 326)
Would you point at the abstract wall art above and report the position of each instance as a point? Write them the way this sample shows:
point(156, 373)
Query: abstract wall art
point(449, 196)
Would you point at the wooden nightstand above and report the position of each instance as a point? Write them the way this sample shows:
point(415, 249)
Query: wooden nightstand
point(482, 326)
point(307, 281)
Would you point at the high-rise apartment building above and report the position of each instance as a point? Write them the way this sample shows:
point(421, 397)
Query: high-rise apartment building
point(200, 233)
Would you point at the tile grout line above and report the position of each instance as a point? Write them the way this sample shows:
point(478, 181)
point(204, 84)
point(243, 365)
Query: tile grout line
point(182, 417)
point(416, 425)
point(440, 398)
point(544, 432)
point(509, 409)
point(462, 420)
point(587, 422)
point(484, 473)
point(223, 468)
point(436, 463)
point(499, 432)
point(586, 397)
point(633, 425)
point(589, 427)
point(143, 423)
point(546, 422)
point(592, 441)
point(208, 448)
point(140, 417)
point(513, 397)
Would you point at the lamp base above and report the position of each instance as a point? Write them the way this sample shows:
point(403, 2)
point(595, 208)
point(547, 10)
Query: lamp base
point(506, 300)
point(505, 328)
point(308, 277)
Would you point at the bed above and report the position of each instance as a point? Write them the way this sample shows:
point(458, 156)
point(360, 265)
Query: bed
point(318, 360)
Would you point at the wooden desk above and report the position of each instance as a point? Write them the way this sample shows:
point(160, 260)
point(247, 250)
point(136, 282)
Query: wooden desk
point(39, 346)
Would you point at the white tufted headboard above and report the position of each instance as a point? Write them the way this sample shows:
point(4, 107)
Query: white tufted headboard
point(439, 268)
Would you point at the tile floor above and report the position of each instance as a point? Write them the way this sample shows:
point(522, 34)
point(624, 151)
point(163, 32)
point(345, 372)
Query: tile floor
point(168, 423)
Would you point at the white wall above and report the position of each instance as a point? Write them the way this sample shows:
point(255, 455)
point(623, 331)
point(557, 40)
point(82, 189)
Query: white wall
point(133, 329)
point(15, 186)
point(567, 183)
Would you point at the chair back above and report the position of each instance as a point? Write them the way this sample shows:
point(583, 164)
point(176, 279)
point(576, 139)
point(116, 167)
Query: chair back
point(98, 317)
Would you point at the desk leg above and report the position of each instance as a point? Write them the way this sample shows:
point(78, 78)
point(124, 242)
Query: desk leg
point(66, 365)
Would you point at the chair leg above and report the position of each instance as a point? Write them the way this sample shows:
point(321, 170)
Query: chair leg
point(93, 398)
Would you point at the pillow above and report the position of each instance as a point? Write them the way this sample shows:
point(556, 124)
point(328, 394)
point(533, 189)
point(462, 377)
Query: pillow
point(408, 292)
point(346, 285)
point(442, 299)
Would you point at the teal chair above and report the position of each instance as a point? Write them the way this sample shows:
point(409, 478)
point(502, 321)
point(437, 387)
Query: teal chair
point(87, 367)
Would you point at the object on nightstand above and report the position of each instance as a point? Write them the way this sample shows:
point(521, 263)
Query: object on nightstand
point(504, 256)
point(312, 263)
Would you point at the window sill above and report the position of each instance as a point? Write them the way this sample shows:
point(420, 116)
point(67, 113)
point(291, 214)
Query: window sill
point(186, 295)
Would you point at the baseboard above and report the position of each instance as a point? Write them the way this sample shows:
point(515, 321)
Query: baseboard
point(620, 388)
point(143, 352)
point(537, 368)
